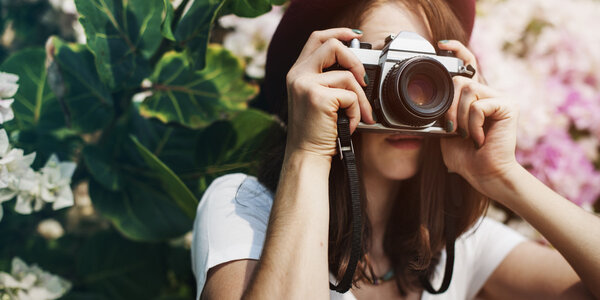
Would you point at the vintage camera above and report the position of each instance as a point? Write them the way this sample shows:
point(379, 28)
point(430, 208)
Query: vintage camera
point(410, 86)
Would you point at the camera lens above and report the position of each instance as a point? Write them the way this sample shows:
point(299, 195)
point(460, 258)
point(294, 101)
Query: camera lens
point(418, 90)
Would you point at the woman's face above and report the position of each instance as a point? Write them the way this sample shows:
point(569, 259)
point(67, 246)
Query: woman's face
point(391, 156)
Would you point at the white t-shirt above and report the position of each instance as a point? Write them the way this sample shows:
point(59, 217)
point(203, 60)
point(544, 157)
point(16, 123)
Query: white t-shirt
point(231, 224)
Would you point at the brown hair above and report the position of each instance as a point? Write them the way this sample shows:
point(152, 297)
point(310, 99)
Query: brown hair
point(414, 236)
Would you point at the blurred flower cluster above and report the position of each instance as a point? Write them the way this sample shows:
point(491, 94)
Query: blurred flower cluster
point(31, 283)
point(249, 38)
point(545, 55)
point(17, 179)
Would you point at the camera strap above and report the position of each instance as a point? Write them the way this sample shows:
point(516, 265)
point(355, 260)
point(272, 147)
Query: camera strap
point(347, 155)
point(346, 151)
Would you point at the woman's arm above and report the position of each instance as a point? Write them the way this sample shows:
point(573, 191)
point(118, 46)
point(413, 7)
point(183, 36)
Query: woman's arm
point(574, 232)
point(293, 263)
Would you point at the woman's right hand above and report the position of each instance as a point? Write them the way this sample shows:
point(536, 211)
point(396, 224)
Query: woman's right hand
point(314, 96)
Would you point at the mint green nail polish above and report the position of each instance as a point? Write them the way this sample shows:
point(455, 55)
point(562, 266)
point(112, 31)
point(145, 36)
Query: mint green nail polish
point(366, 79)
point(357, 31)
point(444, 41)
point(449, 126)
point(462, 132)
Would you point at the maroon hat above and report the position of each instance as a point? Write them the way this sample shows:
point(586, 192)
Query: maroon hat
point(301, 18)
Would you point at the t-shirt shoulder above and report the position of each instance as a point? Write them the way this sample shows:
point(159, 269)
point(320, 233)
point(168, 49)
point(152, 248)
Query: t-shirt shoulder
point(231, 223)
point(478, 252)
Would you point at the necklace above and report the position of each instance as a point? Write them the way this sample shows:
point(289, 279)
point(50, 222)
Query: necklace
point(377, 280)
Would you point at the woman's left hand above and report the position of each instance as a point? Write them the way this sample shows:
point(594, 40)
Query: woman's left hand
point(486, 123)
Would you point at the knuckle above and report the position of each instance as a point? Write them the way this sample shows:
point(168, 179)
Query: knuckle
point(298, 84)
point(469, 87)
point(316, 35)
point(349, 78)
point(459, 81)
point(333, 44)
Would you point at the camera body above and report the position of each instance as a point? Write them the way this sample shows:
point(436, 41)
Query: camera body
point(410, 85)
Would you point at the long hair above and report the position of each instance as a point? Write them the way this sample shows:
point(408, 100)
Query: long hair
point(414, 236)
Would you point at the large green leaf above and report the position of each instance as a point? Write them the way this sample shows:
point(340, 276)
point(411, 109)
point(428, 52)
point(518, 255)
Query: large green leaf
point(35, 105)
point(169, 182)
point(250, 8)
point(242, 143)
point(73, 78)
point(142, 210)
point(103, 167)
point(198, 98)
point(193, 30)
point(112, 267)
point(122, 35)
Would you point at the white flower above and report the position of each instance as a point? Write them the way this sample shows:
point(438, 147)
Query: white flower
point(8, 88)
point(250, 38)
point(32, 189)
point(6, 112)
point(30, 282)
point(50, 229)
point(55, 183)
point(8, 85)
point(28, 193)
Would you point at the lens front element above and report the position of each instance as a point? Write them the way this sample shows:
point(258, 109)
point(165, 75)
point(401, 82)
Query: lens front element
point(421, 89)
point(418, 90)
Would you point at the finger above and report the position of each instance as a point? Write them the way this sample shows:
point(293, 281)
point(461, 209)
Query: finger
point(333, 51)
point(491, 108)
point(346, 80)
point(466, 92)
point(347, 100)
point(318, 38)
point(460, 50)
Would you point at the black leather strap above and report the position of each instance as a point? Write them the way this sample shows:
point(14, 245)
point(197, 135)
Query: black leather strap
point(346, 151)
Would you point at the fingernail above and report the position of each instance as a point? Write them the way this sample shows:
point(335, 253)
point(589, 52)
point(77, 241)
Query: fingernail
point(449, 126)
point(444, 41)
point(374, 116)
point(357, 31)
point(462, 132)
point(476, 145)
point(366, 79)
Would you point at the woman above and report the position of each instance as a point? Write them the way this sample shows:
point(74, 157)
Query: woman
point(250, 242)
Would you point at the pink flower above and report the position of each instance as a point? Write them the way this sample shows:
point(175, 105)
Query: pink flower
point(563, 165)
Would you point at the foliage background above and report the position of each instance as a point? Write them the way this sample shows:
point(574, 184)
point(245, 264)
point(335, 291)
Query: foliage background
point(153, 100)
point(151, 110)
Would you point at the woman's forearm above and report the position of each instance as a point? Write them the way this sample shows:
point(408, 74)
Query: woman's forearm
point(574, 232)
point(293, 263)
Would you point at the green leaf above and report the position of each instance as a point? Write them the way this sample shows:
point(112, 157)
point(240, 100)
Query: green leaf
point(242, 143)
point(73, 78)
point(103, 167)
point(142, 211)
point(143, 203)
point(250, 8)
point(35, 105)
point(167, 22)
point(170, 183)
point(122, 35)
point(193, 30)
point(198, 98)
point(116, 268)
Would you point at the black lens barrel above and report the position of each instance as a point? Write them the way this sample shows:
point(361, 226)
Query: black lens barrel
point(422, 107)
